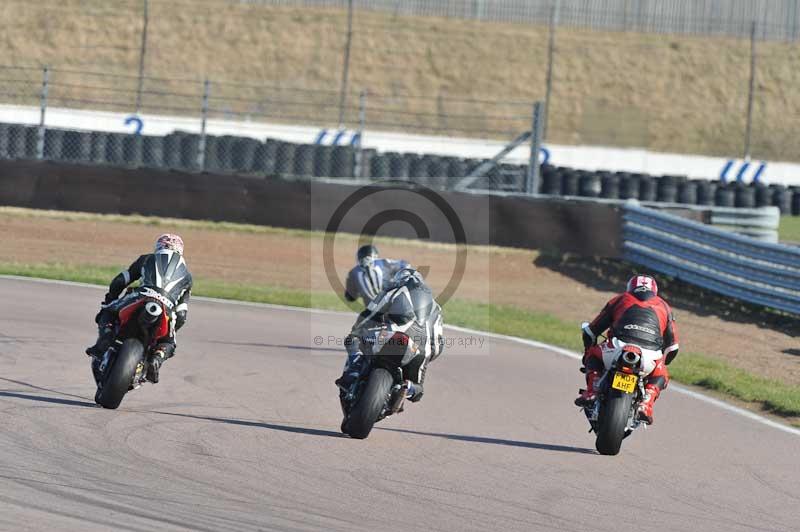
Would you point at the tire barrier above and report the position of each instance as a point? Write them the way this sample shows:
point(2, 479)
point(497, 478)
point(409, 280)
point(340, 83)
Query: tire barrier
point(399, 165)
point(687, 193)
point(457, 169)
point(380, 166)
point(745, 196)
point(322, 160)
point(763, 195)
point(435, 166)
point(417, 167)
point(31, 142)
point(781, 198)
point(667, 189)
point(4, 139)
point(153, 151)
point(609, 186)
point(551, 181)
point(705, 192)
point(569, 183)
point(724, 197)
point(304, 160)
point(132, 150)
point(284, 158)
point(54, 144)
point(264, 158)
point(589, 185)
point(795, 206)
point(173, 144)
point(628, 186)
point(243, 151)
point(648, 190)
point(211, 155)
point(114, 151)
point(229, 154)
point(225, 152)
point(190, 146)
point(343, 161)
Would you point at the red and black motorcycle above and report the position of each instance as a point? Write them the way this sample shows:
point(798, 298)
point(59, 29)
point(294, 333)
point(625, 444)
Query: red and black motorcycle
point(142, 323)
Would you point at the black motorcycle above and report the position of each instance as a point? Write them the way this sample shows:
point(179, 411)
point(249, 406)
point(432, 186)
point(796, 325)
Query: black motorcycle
point(381, 388)
point(123, 367)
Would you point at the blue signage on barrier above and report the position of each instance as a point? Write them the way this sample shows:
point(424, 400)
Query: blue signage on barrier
point(136, 122)
point(544, 155)
point(742, 172)
point(337, 137)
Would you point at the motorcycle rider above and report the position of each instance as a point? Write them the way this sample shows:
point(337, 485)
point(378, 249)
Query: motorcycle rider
point(367, 278)
point(640, 317)
point(165, 266)
point(408, 304)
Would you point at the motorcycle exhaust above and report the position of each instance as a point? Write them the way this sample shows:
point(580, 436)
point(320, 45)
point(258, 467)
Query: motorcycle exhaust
point(630, 359)
point(152, 311)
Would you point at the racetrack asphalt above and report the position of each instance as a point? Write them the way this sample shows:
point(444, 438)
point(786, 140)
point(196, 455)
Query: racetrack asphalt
point(242, 433)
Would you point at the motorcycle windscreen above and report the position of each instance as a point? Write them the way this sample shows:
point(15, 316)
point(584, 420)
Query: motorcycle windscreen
point(164, 270)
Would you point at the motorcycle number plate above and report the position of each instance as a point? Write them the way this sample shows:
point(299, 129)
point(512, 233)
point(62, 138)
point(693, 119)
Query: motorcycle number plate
point(624, 382)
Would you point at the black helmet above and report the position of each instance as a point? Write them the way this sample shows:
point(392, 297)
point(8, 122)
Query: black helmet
point(366, 255)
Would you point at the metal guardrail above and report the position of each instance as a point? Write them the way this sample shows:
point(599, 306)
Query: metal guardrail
point(757, 272)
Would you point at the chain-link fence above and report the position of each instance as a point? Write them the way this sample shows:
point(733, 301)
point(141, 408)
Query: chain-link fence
point(778, 19)
point(63, 116)
point(308, 62)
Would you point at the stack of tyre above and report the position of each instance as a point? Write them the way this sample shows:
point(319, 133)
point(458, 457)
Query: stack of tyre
point(559, 181)
point(244, 155)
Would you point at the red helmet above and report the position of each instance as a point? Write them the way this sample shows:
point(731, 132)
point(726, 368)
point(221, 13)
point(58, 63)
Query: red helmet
point(169, 242)
point(642, 286)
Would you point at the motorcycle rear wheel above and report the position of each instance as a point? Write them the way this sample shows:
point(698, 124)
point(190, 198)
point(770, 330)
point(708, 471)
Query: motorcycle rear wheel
point(612, 422)
point(370, 405)
point(119, 377)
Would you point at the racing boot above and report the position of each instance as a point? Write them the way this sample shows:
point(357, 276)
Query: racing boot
point(587, 396)
point(414, 391)
point(352, 369)
point(105, 337)
point(645, 411)
point(157, 359)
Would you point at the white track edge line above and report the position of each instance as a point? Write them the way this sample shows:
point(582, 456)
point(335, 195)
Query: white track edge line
point(532, 343)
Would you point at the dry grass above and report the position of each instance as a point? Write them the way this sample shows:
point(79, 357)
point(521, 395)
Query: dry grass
point(669, 93)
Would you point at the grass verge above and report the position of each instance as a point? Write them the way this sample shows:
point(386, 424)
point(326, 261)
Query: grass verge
point(789, 229)
point(694, 369)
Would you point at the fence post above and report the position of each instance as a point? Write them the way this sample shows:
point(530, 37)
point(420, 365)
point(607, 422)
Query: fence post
point(201, 146)
point(532, 182)
point(750, 94)
point(346, 67)
point(142, 53)
point(362, 118)
point(43, 109)
point(551, 46)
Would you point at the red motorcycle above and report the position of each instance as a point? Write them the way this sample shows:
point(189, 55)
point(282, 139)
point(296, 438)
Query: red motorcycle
point(141, 324)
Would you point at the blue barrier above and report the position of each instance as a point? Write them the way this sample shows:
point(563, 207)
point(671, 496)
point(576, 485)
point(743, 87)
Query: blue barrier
point(757, 272)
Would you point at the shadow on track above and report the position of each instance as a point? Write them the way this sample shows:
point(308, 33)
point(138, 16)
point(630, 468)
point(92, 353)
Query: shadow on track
point(496, 441)
point(258, 424)
point(278, 346)
point(44, 399)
